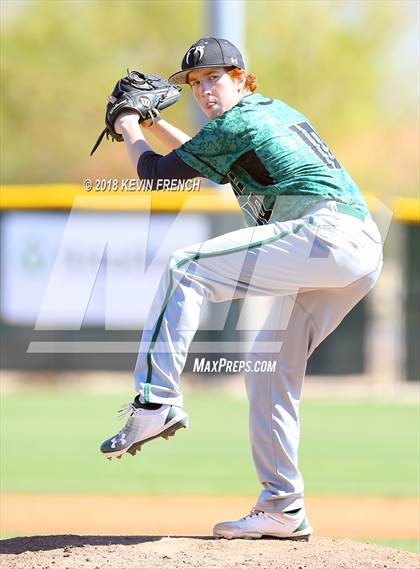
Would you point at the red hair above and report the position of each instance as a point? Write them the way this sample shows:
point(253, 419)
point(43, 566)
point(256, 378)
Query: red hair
point(251, 84)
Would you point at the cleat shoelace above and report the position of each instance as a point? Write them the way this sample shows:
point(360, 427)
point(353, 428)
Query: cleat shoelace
point(126, 409)
point(254, 512)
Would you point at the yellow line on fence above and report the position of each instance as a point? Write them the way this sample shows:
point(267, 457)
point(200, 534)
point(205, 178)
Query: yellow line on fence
point(407, 209)
point(206, 200)
point(67, 196)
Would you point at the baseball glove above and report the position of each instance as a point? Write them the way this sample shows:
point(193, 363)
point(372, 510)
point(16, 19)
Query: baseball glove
point(145, 94)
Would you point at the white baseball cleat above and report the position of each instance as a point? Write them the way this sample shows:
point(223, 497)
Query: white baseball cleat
point(284, 525)
point(144, 425)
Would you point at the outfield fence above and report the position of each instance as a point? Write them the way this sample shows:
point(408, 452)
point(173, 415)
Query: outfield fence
point(378, 339)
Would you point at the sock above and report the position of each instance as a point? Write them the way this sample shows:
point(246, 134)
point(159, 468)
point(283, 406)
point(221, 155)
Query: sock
point(139, 405)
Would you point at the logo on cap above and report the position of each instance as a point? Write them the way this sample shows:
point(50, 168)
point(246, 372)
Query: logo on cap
point(196, 53)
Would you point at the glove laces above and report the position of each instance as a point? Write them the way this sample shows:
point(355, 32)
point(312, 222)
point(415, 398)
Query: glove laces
point(100, 137)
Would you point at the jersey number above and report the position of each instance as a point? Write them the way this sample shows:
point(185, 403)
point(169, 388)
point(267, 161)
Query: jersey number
point(252, 204)
point(316, 144)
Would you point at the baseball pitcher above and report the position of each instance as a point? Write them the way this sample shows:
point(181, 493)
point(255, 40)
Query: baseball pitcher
point(310, 244)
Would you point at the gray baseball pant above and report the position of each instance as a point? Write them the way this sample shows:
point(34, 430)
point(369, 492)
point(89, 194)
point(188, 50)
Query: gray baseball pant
point(316, 268)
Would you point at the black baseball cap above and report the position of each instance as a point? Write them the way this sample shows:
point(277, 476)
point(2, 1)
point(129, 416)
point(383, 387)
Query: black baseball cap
point(208, 52)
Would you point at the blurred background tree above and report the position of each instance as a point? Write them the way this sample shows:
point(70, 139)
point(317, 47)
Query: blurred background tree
point(352, 67)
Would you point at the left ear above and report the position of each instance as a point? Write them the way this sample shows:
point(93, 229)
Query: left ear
point(240, 81)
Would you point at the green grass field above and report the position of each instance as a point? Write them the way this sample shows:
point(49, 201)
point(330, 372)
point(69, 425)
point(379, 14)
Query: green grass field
point(49, 445)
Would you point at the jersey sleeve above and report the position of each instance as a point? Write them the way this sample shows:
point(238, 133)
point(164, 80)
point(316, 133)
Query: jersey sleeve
point(214, 149)
point(154, 167)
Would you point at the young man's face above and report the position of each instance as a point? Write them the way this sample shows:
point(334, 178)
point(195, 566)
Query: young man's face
point(214, 90)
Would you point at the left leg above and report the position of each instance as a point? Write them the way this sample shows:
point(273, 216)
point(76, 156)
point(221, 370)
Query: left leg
point(275, 259)
point(265, 260)
point(218, 269)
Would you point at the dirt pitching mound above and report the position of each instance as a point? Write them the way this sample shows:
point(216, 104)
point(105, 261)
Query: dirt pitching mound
point(157, 552)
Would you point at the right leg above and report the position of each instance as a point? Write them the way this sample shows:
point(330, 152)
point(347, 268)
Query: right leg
point(274, 397)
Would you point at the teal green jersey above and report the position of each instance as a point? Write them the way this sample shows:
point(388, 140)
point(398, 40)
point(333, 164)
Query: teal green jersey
point(277, 164)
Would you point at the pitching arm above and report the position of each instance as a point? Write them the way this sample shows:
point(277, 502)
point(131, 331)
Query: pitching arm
point(168, 134)
point(148, 164)
point(127, 124)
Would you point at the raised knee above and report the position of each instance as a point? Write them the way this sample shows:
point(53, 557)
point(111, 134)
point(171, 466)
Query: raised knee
point(177, 256)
